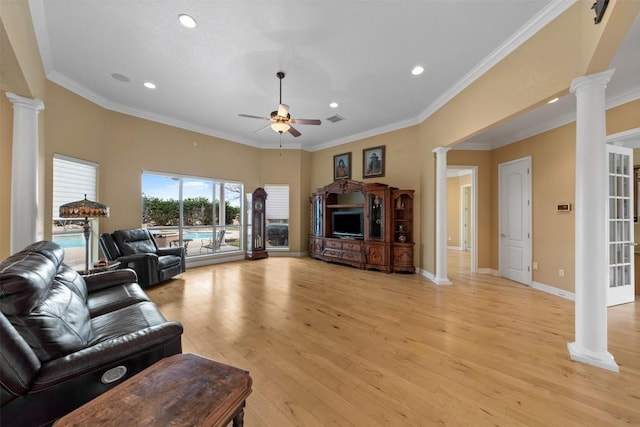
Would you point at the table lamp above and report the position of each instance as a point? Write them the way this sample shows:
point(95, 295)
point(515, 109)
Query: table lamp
point(84, 209)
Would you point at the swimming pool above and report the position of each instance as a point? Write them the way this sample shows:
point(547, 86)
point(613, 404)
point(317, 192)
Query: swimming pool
point(77, 240)
point(69, 240)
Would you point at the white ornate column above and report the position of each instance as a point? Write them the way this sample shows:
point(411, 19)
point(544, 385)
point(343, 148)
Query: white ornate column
point(441, 216)
point(591, 263)
point(24, 171)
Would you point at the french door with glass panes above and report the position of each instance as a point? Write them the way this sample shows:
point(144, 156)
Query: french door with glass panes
point(620, 230)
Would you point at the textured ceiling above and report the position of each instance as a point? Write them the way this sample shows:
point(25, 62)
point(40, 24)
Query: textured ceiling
point(356, 53)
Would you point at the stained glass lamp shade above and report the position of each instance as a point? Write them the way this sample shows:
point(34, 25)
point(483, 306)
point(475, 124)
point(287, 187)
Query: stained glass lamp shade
point(84, 209)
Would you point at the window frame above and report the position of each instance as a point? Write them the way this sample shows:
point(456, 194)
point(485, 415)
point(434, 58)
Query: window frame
point(275, 207)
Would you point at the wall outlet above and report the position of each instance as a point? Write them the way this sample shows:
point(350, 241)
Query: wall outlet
point(535, 265)
point(561, 273)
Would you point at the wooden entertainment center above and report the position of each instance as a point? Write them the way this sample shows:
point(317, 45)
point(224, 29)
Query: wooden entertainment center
point(366, 225)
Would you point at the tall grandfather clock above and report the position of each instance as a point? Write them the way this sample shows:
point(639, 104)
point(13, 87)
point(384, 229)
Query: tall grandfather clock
point(256, 228)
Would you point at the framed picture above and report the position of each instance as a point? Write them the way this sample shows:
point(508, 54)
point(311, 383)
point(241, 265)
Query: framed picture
point(373, 162)
point(342, 166)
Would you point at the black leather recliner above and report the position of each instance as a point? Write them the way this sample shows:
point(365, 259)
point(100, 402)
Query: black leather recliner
point(138, 250)
point(66, 338)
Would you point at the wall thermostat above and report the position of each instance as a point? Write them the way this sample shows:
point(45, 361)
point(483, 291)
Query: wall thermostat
point(564, 207)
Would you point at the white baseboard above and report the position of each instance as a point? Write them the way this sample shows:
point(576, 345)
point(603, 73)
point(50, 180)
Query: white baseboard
point(210, 260)
point(432, 277)
point(425, 273)
point(276, 253)
point(490, 271)
point(554, 291)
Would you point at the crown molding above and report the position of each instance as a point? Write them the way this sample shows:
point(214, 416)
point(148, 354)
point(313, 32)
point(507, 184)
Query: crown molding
point(539, 21)
point(366, 134)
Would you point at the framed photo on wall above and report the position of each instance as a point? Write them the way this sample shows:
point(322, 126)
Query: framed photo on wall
point(342, 166)
point(373, 162)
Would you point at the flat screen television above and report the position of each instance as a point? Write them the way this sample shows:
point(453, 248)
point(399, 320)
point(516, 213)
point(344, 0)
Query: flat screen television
point(347, 224)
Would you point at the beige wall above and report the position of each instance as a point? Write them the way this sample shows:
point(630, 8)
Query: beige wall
point(22, 73)
point(553, 182)
point(6, 125)
point(482, 161)
point(285, 167)
point(124, 145)
point(454, 206)
point(402, 165)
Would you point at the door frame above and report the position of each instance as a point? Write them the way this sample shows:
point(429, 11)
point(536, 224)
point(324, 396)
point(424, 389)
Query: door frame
point(474, 213)
point(530, 216)
point(463, 236)
point(629, 139)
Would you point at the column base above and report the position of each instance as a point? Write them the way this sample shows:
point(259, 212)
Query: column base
point(601, 360)
point(441, 281)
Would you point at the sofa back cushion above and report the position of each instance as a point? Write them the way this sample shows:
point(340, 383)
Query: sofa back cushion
point(109, 247)
point(25, 277)
point(45, 300)
point(136, 241)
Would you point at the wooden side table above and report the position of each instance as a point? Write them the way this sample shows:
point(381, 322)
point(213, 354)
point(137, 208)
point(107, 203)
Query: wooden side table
point(110, 265)
point(181, 390)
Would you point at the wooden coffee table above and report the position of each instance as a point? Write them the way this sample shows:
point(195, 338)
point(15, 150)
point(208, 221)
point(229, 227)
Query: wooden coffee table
point(183, 389)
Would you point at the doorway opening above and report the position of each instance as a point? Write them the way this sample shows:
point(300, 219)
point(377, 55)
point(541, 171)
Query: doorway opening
point(462, 217)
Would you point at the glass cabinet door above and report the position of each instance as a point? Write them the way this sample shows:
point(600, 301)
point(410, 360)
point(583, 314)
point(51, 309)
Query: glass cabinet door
point(376, 216)
point(316, 224)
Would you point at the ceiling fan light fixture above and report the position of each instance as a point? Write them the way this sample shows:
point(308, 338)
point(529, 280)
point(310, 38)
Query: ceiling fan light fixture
point(283, 110)
point(280, 127)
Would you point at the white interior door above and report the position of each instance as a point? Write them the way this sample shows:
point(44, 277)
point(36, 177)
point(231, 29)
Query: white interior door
point(620, 230)
point(515, 220)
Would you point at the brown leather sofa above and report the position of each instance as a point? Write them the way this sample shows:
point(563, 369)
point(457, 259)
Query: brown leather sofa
point(66, 338)
point(138, 250)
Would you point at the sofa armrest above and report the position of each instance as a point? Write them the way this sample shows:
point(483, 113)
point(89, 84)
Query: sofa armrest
point(176, 250)
point(106, 354)
point(145, 264)
point(108, 279)
point(145, 257)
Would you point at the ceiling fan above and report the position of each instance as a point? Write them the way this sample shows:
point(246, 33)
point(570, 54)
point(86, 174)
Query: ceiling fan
point(280, 119)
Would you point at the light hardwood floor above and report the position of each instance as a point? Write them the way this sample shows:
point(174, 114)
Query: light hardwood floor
point(330, 345)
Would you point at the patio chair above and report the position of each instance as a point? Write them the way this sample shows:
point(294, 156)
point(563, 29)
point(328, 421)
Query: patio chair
point(211, 244)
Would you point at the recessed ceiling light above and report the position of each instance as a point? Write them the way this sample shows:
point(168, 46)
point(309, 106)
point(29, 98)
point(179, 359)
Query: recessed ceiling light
point(333, 105)
point(417, 70)
point(187, 21)
point(149, 85)
point(552, 101)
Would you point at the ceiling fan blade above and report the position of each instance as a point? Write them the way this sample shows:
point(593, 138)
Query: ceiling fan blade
point(294, 132)
point(253, 117)
point(283, 110)
point(262, 128)
point(306, 121)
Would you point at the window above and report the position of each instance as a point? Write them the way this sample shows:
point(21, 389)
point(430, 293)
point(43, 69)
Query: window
point(201, 214)
point(72, 180)
point(277, 211)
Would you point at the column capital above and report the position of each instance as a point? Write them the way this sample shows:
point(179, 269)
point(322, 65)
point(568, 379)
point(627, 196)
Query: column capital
point(441, 150)
point(32, 104)
point(593, 80)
